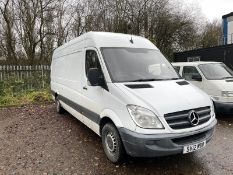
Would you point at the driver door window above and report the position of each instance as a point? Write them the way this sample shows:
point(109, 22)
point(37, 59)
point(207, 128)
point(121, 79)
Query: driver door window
point(92, 61)
point(189, 72)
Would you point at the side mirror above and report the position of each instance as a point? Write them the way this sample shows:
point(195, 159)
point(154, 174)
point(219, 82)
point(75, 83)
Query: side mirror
point(94, 77)
point(196, 77)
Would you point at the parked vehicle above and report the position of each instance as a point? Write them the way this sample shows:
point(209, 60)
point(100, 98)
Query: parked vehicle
point(215, 78)
point(125, 90)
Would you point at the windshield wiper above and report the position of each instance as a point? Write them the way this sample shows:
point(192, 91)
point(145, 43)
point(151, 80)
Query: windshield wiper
point(175, 79)
point(153, 79)
point(227, 77)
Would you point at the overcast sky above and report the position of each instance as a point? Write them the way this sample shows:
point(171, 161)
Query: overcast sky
point(214, 9)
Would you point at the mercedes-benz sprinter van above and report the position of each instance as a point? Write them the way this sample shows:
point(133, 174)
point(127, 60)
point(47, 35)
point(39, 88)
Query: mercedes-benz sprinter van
point(125, 90)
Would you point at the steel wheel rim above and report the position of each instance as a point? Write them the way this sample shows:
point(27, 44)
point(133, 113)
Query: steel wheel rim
point(110, 142)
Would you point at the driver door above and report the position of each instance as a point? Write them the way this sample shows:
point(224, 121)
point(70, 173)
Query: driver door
point(190, 73)
point(93, 98)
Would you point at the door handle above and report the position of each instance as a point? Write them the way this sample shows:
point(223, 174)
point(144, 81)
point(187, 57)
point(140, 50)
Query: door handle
point(85, 88)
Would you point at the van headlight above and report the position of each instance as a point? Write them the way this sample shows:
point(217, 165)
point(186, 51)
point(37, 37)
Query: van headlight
point(144, 118)
point(212, 112)
point(227, 93)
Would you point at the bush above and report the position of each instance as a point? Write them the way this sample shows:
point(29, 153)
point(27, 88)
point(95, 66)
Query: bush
point(39, 96)
point(1, 89)
point(24, 89)
point(29, 97)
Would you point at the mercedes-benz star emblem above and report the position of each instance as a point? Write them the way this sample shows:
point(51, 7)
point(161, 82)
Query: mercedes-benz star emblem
point(193, 118)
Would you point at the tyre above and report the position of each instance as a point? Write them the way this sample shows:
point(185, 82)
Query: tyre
point(112, 143)
point(59, 108)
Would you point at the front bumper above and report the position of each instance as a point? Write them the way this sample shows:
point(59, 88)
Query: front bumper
point(156, 145)
point(223, 108)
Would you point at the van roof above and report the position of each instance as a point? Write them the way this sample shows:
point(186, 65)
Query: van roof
point(196, 63)
point(107, 39)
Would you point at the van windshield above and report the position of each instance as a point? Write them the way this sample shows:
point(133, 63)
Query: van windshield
point(135, 65)
point(216, 71)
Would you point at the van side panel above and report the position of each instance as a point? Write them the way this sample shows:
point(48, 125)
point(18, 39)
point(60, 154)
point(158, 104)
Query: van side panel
point(65, 76)
point(66, 72)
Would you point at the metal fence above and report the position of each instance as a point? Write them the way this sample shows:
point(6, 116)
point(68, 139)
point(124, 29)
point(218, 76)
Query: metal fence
point(16, 78)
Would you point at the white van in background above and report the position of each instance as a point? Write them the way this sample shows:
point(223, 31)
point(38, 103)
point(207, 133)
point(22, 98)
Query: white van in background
point(215, 78)
point(125, 90)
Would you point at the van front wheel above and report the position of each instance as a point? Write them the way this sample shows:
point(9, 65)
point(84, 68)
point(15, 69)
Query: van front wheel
point(112, 143)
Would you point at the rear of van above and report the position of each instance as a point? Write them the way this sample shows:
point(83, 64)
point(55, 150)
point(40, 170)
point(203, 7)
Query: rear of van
point(126, 91)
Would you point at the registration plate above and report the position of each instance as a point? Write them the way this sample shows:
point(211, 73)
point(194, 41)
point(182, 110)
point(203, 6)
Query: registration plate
point(194, 147)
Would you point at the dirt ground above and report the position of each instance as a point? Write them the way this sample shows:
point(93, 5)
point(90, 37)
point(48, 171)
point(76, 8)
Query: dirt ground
point(36, 140)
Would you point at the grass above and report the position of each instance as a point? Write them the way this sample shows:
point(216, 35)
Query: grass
point(29, 97)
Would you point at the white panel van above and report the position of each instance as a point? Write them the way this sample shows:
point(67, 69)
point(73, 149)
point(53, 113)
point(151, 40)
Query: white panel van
point(215, 78)
point(126, 91)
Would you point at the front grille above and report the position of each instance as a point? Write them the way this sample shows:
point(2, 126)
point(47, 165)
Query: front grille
point(180, 120)
point(189, 139)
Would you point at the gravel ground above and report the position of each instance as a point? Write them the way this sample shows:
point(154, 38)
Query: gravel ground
point(36, 140)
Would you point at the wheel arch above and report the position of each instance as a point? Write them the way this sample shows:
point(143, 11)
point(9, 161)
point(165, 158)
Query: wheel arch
point(108, 116)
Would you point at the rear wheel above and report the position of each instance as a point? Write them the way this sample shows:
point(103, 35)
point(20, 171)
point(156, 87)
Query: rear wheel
point(59, 108)
point(112, 143)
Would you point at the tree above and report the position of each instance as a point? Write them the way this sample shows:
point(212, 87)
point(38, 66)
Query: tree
point(211, 35)
point(8, 42)
point(30, 30)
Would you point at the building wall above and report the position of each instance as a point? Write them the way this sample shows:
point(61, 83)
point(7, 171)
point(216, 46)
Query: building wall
point(230, 30)
point(225, 30)
point(219, 54)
